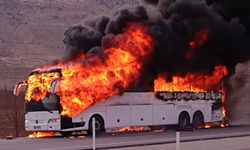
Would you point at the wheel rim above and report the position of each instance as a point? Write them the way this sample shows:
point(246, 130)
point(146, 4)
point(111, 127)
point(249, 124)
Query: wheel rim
point(198, 120)
point(183, 121)
point(97, 125)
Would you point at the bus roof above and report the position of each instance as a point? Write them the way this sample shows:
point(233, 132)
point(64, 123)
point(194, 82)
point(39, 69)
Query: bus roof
point(47, 70)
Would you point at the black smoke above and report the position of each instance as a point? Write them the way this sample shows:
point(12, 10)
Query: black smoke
point(172, 24)
point(155, 2)
point(80, 39)
point(230, 9)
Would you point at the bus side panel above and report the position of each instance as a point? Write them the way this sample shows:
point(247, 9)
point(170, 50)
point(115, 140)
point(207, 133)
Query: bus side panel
point(141, 115)
point(207, 112)
point(117, 116)
point(87, 114)
point(164, 114)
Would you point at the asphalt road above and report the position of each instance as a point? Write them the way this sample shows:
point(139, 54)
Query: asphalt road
point(116, 140)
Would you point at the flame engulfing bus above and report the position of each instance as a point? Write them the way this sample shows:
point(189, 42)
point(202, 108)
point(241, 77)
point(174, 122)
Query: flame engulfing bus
point(129, 109)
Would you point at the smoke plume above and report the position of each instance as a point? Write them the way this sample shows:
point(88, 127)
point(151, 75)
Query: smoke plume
point(188, 35)
point(173, 25)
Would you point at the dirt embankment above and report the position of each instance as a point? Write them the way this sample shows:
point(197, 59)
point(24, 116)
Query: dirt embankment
point(32, 31)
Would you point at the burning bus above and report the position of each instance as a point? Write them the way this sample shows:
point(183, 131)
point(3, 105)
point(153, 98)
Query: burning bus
point(131, 109)
point(65, 96)
point(184, 49)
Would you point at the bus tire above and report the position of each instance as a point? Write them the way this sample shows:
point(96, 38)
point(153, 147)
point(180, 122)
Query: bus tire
point(66, 133)
point(198, 119)
point(99, 125)
point(183, 120)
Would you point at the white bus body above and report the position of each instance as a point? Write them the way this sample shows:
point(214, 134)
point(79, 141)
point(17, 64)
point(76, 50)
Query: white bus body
point(133, 109)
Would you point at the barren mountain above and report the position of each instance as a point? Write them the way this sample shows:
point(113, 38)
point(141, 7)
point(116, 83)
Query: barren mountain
point(31, 31)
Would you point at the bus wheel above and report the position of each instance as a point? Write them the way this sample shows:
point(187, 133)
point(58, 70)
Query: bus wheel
point(66, 133)
point(184, 120)
point(198, 120)
point(99, 125)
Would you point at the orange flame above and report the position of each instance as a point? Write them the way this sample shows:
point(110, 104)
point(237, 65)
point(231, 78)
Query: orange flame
point(39, 84)
point(96, 79)
point(192, 82)
point(131, 129)
point(41, 134)
point(224, 112)
point(199, 39)
point(207, 126)
point(195, 83)
point(85, 84)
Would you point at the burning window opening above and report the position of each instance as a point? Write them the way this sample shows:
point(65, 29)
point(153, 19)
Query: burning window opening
point(39, 85)
point(192, 82)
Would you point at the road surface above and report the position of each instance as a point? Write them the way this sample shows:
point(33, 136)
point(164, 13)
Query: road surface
point(234, 143)
point(119, 140)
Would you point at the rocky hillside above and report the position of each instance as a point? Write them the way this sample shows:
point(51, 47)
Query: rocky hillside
point(31, 31)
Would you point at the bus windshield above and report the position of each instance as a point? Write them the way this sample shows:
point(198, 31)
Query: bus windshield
point(49, 103)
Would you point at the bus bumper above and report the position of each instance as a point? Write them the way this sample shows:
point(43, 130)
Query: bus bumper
point(42, 121)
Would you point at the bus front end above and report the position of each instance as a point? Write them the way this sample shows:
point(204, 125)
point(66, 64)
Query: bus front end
point(43, 115)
